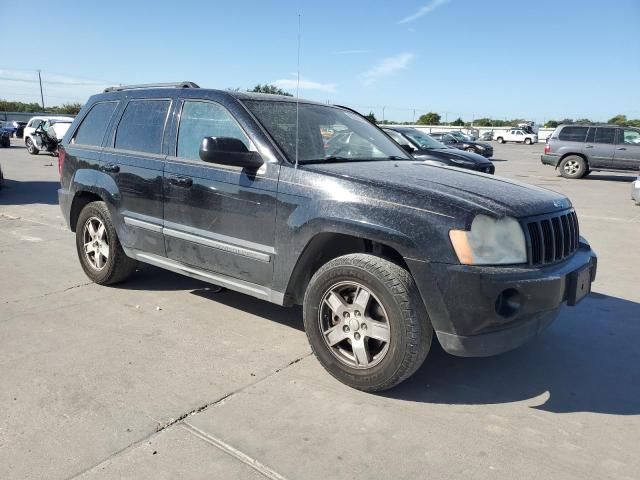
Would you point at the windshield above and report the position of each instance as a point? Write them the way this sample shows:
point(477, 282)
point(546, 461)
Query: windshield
point(423, 140)
point(325, 133)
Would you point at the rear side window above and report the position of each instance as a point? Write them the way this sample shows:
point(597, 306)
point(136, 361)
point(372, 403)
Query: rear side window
point(573, 134)
point(205, 119)
point(605, 135)
point(94, 125)
point(142, 126)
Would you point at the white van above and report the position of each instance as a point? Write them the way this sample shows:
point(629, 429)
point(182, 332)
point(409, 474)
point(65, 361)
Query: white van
point(35, 122)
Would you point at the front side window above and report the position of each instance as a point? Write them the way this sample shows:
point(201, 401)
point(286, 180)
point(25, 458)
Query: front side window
point(605, 135)
point(142, 126)
point(323, 133)
point(94, 125)
point(630, 137)
point(573, 134)
point(205, 119)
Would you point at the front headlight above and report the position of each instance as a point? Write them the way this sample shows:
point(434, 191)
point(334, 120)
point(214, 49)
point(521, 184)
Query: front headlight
point(490, 241)
point(459, 161)
point(480, 147)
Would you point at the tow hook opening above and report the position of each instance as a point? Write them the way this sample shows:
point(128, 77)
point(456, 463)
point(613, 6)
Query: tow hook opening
point(508, 303)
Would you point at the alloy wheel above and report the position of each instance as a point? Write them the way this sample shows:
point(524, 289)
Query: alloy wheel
point(96, 243)
point(354, 325)
point(571, 167)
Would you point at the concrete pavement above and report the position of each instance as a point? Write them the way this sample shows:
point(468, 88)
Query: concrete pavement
point(162, 377)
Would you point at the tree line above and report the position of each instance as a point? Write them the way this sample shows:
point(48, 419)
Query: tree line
point(33, 107)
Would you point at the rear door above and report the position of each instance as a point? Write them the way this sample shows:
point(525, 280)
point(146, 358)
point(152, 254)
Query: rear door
point(627, 150)
point(134, 157)
point(600, 146)
point(217, 217)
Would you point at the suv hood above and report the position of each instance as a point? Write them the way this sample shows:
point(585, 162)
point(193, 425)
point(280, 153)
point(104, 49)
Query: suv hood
point(468, 190)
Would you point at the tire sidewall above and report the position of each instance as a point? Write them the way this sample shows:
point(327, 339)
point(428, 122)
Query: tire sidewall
point(98, 210)
point(389, 365)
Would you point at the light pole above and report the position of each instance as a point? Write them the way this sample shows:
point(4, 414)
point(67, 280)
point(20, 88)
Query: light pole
point(41, 94)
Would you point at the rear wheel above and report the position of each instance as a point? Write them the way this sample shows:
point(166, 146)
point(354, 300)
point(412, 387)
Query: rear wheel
point(573, 166)
point(500, 140)
point(366, 322)
point(101, 255)
point(31, 148)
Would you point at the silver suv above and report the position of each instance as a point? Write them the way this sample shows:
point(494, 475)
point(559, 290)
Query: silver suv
point(578, 150)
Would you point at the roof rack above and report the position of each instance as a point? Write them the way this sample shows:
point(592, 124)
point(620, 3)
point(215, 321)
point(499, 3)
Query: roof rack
point(152, 85)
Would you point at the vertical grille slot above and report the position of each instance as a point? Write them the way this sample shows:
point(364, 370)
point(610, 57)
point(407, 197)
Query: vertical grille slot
point(552, 238)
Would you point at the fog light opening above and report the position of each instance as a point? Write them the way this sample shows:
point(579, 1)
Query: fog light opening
point(508, 303)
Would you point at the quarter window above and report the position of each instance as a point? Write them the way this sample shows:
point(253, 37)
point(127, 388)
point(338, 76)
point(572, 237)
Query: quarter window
point(573, 134)
point(631, 137)
point(605, 135)
point(94, 125)
point(205, 119)
point(142, 126)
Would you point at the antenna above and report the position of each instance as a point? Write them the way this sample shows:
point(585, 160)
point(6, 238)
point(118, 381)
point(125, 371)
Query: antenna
point(298, 90)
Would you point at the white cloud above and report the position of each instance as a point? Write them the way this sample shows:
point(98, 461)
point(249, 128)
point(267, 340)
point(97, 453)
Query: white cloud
point(350, 52)
point(305, 84)
point(387, 66)
point(424, 10)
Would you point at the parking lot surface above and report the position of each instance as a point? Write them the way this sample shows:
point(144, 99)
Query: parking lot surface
point(165, 377)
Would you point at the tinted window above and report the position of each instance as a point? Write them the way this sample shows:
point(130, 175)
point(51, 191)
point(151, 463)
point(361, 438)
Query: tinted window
point(204, 119)
point(605, 135)
point(397, 137)
point(573, 134)
point(142, 126)
point(631, 137)
point(591, 136)
point(94, 125)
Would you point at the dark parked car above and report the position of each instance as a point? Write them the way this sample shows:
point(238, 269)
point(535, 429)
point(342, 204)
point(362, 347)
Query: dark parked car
point(423, 147)
point(449, 140)
point(382, 251)
point(5, 138)
point(577, 150)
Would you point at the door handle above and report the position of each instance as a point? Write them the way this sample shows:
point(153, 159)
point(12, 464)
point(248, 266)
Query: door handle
point(110, 168)
point(621, 148)
point(180, 181)
point(589, 146)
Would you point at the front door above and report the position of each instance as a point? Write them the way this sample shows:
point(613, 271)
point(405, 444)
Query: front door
point(216, 217)
point(627, 152)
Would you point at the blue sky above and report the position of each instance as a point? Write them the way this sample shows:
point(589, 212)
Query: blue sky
point(498, 58)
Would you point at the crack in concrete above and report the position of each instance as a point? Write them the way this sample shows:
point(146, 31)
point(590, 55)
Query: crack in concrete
point(44, 295)
point(162, 427)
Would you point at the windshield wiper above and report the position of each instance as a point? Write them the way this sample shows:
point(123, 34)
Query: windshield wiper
point(333, 159)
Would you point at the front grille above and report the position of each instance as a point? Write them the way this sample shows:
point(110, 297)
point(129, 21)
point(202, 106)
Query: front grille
point(552, 238)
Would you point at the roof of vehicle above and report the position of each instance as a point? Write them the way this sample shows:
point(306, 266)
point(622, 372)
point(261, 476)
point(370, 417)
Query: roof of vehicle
point(51, 117)
point(610, 125)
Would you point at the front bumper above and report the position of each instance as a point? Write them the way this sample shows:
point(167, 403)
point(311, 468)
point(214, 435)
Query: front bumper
point(550, 160)
point(486, 153)
point(482, 311)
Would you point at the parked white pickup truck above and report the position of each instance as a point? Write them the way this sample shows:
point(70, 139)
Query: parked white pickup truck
point(516, 135)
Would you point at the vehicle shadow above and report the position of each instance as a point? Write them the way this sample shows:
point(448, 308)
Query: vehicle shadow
point(611, 178)
point(29, 192)
point(498, 159)
point(587, 361)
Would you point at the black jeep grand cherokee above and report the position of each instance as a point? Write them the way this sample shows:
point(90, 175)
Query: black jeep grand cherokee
point(254, 193)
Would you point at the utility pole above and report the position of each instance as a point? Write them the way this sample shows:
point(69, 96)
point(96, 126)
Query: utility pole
point(41, 94)
point(413, 119)
point(383, 113)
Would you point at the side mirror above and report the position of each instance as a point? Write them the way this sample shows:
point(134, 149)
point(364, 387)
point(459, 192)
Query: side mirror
point(408, 148)
point(229, 151)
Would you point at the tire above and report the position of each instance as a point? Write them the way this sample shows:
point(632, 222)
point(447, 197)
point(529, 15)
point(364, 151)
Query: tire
point(102, 269)
point(470, 149)
point(500, 140)
point(31, 148)
point(573, 166)
point(393, 310)
point(527, 141)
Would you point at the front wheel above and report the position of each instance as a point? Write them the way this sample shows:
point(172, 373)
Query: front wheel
point(366, 322)
point(470, 149)
point(31, 147)
point(527, 141)
point(101, 255)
